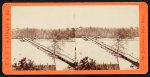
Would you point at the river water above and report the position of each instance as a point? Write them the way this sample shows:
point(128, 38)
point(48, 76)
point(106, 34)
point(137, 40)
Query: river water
point(83, 48)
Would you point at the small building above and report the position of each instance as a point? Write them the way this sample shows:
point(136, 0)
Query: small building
point(46, 67)
point(107, 66)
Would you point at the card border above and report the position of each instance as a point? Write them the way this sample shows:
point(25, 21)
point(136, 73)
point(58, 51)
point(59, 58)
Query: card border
point(6, 39)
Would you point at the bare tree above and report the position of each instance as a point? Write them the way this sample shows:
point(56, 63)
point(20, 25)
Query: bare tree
point(119, 42)
point(56, 47)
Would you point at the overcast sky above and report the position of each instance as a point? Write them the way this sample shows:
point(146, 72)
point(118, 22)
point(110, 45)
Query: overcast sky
point(50, 17)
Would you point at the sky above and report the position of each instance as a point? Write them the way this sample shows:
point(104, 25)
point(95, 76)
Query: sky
point(54, 17)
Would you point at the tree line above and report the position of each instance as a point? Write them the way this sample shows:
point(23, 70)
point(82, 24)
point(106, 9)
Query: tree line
point(74, 32)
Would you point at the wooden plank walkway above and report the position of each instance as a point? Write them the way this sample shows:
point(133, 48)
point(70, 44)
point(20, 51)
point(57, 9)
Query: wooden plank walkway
point(50, 52)
point(115, 52)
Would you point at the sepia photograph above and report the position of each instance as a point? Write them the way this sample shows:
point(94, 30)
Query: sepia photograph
point(99, 37)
